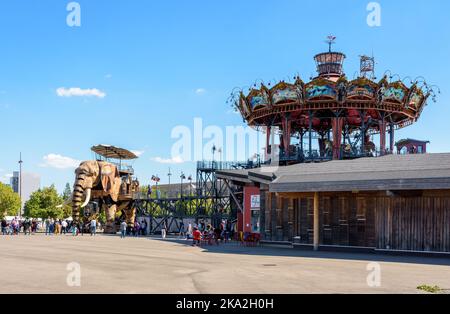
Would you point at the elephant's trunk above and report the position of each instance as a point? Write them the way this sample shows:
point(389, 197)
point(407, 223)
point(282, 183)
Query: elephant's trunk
point(77, 199)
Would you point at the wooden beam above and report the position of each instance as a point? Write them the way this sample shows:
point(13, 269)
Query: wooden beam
point(316, 222)
point(234, 196)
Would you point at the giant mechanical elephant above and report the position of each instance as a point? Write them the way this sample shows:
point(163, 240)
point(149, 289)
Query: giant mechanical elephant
point(100, 185)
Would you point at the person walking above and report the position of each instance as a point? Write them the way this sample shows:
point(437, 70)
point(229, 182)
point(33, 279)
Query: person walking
point(189, 232)
point(164, 230)
point(57, 227)
point(47, 226)
point(4, 227)
point(123, 229)
point(182, 231)
point(26, 227)
point(74, 229)
point(64, 227)
point(144, 227)
point(93, 227)
point(137, 229)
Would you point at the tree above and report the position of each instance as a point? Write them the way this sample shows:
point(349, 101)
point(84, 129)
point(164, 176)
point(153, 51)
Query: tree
point(67, 194)
point(45, 203)
point(9, 201)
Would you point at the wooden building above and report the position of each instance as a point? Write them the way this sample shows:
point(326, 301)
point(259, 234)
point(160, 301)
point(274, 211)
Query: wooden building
point(391, 203)
point(411, 146)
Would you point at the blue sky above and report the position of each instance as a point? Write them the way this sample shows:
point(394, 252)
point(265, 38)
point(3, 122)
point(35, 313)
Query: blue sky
point(152, 59)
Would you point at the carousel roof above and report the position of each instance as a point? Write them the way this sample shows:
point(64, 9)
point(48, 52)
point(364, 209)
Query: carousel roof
point(331, 91)
point(109, 151)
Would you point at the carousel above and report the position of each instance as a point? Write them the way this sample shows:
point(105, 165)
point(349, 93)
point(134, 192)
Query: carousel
point(331, 117)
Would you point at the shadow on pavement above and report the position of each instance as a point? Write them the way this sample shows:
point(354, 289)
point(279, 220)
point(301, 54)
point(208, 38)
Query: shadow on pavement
point(236, 248)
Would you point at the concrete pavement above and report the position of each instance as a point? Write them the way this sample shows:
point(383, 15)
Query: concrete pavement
point(108, 264)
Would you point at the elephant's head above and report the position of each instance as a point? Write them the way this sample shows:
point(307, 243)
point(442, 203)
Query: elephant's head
point(94, 175)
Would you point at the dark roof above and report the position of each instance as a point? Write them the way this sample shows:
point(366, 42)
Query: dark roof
point(240, 175)
point(393, 172)
point(410, 140)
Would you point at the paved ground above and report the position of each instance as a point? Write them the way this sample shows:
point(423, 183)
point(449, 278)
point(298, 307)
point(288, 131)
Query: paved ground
point(38, 264)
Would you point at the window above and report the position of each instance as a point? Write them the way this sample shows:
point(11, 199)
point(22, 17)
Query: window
point(420, 149)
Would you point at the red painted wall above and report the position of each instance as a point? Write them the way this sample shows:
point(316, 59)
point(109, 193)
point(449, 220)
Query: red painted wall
point(248, 192)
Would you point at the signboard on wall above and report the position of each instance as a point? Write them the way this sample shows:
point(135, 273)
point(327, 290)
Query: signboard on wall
point(255, 201)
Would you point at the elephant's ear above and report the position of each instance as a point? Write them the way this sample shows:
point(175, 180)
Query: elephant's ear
point(111, 180)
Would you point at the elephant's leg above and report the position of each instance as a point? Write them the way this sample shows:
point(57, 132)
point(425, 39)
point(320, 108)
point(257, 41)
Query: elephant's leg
point(110, 212)
point(130, 214)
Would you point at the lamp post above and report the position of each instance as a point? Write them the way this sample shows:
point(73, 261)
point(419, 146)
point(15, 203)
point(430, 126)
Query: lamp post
point(20, 184)
point(190, 185)
point(182, 177)
point(169, 175)
point(214, 148)
point(156, 179)
point(220, 157)
point(190, 193)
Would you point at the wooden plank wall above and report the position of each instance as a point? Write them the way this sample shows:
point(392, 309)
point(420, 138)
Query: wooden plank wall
point(414, 223)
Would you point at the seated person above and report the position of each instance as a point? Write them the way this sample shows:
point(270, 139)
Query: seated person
point(197, 235)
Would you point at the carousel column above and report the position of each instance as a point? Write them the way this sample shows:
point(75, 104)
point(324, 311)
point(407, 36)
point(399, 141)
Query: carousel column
point(382, 138)
point(310, 118)
point(363, 132)
point(287, 134)
point(337, 125)
point(268, 135)
point(392, 137)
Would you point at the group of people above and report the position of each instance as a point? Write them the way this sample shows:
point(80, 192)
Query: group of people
point(58, 226)
point(223, 232)
point(16, 226)
point(196, 232)
point(138, 229)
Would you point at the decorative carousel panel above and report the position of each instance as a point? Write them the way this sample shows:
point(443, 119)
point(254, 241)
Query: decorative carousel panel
point(243, 106)
point(415, 98)
point(258, 99)
point(415, 101)
point(361, 89)
point(395, 92)
point(283, 93)
point(314, 90)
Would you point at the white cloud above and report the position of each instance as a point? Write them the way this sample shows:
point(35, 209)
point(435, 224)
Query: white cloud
point(200, 91)
point(78, 92)
point(59, 162)
point(108, 76)
point(174, 160)
point(138, 153)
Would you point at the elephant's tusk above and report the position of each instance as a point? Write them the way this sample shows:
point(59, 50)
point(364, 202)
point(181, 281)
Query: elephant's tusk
point(87, 199)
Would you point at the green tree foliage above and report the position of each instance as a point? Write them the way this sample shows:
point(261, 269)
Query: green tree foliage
point(67, 192)
point(9, 201)
point(45, 203)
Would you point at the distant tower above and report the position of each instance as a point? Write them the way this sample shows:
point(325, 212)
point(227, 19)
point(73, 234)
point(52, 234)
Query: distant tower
point(367, 67)
point(330, 64)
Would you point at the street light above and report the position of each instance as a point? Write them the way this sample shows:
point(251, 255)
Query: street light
point(214, 150)
point(220, 157)
point(169, 175)
point(190, 185)
point(182, 177)
point(156, 179)
point(20, 184)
